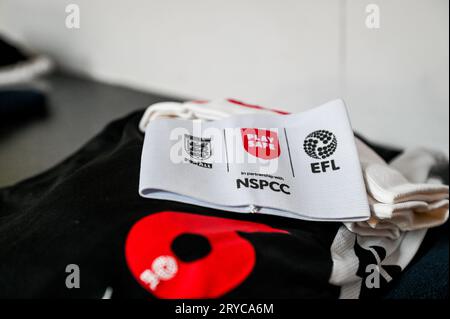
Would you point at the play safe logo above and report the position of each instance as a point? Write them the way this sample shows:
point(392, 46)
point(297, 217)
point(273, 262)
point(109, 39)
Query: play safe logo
point(199, 150)
point(320, 145)
point(261, 143)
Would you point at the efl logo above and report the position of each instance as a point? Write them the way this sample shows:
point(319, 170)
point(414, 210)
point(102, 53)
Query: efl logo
point(319, 145)
point(261, 143)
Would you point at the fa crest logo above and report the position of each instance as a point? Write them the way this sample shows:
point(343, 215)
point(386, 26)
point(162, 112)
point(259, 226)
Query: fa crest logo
point(198, 149)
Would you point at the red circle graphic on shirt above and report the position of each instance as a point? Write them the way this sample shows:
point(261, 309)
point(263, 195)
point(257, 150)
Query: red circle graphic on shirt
point(158, 269)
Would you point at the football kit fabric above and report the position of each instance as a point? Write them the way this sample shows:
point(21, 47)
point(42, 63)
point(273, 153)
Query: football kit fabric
point(87, 212)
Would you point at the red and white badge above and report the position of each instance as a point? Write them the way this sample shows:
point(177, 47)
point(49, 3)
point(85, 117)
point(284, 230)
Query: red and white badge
point(180, 255)
point(261, 143)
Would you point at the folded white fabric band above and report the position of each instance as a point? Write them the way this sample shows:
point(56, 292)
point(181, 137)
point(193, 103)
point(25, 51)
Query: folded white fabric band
point(400, 198)
point(189, 161)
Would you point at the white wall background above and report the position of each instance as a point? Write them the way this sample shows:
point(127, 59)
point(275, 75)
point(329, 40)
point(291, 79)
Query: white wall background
point(290, 54)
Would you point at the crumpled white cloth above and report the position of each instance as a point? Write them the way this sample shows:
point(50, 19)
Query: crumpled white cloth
point(396, 203)
point(25, 71)
point(202, 110)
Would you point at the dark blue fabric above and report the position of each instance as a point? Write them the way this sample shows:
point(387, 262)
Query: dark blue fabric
point(20, 104)
point(427, 276)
